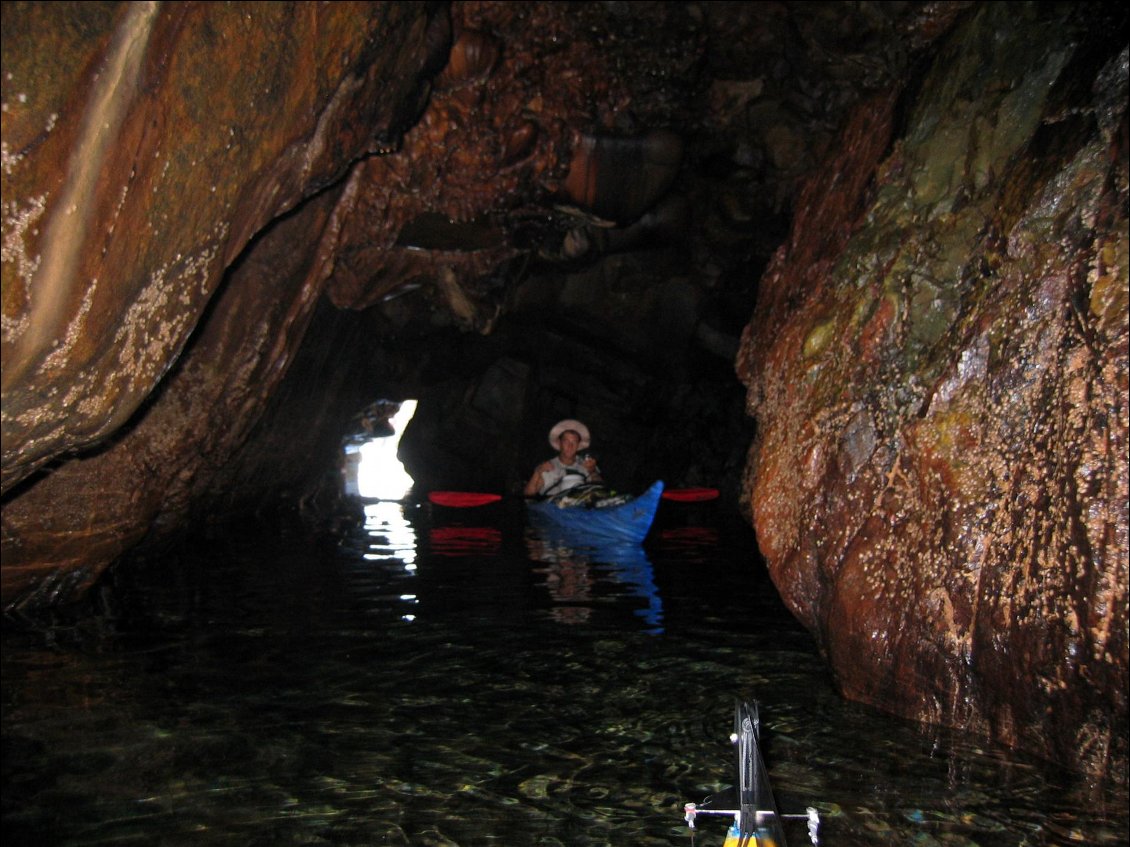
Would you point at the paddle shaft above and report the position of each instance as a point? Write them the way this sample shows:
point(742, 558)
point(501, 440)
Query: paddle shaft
point(470, 499)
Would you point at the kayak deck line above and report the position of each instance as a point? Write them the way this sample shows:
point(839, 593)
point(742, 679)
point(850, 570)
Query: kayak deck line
point(756, 821)
point(758, 839)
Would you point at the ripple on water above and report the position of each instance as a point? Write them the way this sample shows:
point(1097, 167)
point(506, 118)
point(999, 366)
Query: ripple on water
point(272, 691)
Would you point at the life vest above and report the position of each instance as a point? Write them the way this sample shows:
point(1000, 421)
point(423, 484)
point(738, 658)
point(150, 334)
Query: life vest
point(570, 476)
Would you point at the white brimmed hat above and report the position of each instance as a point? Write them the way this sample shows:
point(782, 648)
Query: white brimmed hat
point(566, 425)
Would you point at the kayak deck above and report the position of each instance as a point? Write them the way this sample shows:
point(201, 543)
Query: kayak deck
point(627, 522)
point(755, 819)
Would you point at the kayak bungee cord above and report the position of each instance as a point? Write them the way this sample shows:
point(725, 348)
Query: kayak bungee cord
point(756, 821)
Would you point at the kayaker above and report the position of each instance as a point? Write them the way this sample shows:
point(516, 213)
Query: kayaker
point(568, 468)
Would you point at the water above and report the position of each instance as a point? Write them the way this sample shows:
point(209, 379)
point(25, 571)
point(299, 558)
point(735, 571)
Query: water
point(449, 679)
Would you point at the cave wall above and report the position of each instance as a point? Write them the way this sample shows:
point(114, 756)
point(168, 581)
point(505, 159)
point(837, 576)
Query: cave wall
point(938, 369)
point(622, 356)
point(144, 146)
point(291, 460)
point(145, 154)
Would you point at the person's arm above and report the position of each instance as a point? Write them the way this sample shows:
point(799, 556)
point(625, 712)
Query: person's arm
point(592, 470)
point(533, 487)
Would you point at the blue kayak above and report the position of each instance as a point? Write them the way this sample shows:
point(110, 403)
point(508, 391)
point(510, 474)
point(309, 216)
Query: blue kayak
point(626, 522)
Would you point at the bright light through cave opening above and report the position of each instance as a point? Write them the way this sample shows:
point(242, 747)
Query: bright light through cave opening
point(372, 469)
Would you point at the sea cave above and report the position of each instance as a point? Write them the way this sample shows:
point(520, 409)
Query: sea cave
point(860, 267)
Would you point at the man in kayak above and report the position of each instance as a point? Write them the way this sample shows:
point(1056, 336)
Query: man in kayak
point(568, 468)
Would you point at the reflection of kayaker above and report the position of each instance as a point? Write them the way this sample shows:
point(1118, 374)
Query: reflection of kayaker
point(569, 468)
point(570, 574)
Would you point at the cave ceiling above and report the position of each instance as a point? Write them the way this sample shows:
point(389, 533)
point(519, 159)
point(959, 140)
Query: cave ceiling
point(603, 183)
point(558, 135)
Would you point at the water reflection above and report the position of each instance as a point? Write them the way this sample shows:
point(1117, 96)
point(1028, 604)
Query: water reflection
point(458, 541)
point(689, 540)
point(389, 538)
point(402, 686)
point(574, 570)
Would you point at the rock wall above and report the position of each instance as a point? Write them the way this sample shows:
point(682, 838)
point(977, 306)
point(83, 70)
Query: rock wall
point(938, 368)
point(146, 150)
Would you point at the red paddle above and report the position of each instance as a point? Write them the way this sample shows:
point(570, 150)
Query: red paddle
point(462, 499)
point(690, 495)
point(467, 499)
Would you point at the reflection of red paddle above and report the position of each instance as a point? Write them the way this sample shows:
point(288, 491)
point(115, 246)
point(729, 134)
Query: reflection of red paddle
point(690, 495)
point(465, 540)
point(462, 499)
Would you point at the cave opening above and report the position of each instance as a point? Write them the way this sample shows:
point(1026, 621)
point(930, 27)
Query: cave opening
point(371, 468)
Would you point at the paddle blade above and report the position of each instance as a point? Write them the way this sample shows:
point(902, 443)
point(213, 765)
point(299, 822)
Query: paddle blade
point(462, 499)
point(690, 495)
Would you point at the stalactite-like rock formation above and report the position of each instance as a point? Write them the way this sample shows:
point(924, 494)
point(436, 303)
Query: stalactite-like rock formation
point(938, 368)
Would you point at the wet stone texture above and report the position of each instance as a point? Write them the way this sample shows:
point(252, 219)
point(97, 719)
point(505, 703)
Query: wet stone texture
point(121, 124)
point(117, 129)
point(938, 369)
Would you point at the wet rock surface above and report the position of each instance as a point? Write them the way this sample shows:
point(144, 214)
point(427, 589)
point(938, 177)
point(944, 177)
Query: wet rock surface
point(121, 122)
point(228, 230)
point(939, 480)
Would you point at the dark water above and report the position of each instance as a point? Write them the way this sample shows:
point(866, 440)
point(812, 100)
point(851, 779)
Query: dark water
point(449, 680)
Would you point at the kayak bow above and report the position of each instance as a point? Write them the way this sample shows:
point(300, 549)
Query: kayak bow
point(625, 523)
point(756, 821)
